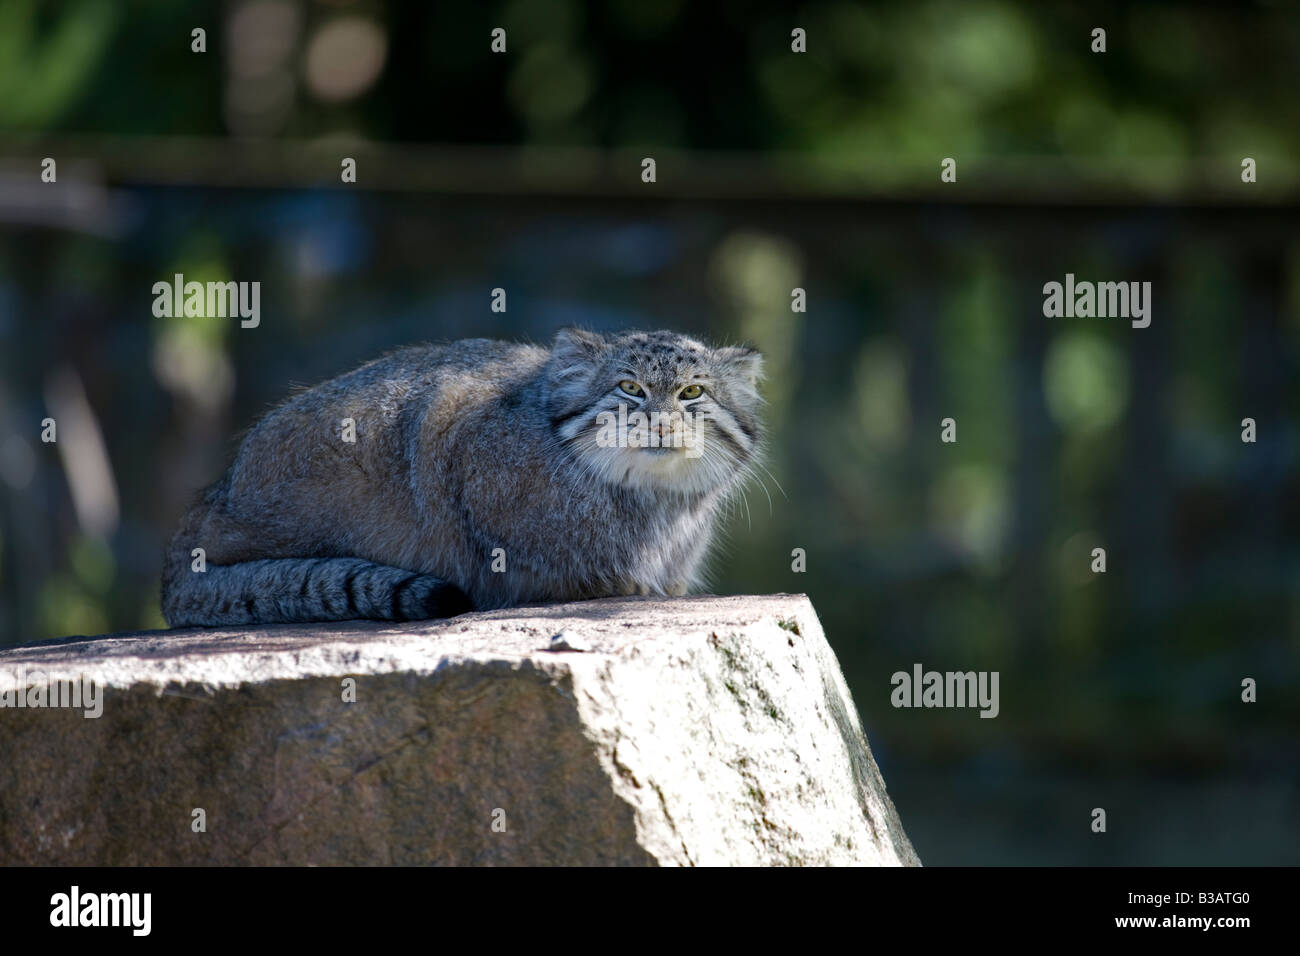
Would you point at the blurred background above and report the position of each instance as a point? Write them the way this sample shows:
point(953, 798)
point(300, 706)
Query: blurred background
point(775, 170)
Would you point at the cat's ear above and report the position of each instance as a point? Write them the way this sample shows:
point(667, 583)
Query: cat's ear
point(573, 344)
point(743, 362)
point(573, 359)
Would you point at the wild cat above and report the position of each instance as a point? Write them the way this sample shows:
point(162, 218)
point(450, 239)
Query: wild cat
point(478, 474)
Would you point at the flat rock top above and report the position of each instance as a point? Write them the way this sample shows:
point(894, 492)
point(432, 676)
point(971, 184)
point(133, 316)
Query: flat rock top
point(233, 655)
point(679, 731)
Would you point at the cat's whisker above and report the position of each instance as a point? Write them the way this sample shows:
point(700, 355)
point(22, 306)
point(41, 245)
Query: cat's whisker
point(774, 481)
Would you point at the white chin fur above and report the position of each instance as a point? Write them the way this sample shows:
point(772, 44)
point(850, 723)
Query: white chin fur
point(666, 468)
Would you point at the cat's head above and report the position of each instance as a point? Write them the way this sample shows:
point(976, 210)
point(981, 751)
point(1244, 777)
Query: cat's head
point(655, 409)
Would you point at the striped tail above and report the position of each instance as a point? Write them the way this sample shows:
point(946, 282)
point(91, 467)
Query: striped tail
point(299, 590)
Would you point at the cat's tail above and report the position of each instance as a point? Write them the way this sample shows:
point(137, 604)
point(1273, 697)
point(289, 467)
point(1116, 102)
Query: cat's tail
point(298, 590)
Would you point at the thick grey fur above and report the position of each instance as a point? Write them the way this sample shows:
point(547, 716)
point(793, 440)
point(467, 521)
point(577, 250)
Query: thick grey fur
point(460, 450)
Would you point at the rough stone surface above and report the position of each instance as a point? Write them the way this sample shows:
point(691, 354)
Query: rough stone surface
point(691, 731)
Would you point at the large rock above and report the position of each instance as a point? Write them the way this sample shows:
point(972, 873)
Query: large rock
point(707, 730)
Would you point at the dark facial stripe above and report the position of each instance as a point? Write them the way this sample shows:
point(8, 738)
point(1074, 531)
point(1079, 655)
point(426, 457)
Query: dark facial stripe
point(725, 433)
point(592, 410)
point(729, 440)
point(746, 427)
point(558, 421)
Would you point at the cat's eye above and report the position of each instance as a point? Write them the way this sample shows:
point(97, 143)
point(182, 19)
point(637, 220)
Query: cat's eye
point(691, 391)
point(632, 388)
